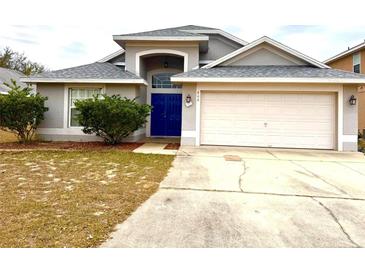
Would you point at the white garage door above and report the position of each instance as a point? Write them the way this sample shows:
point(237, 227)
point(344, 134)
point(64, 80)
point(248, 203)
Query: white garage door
point(285, 120)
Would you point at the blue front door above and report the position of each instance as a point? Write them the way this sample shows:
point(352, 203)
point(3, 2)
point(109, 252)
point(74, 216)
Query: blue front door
point(166, 114)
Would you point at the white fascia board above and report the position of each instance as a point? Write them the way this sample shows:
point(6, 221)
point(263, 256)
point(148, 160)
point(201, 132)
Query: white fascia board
point(102, 81)
point(272, 42)
point(221, 32)
point(203, 62)
point(159, 38)
point(345, 53)
point(267, 80)
point(111, 56)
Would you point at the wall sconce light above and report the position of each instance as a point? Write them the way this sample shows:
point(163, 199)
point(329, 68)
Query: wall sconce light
point(352, 100)
point(188, 101)
point(166, 64)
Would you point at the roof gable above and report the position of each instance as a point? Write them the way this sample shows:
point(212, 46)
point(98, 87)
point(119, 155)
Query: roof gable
point(278, 47)
point(112, 56)
point(264, 55)
point(346, 53)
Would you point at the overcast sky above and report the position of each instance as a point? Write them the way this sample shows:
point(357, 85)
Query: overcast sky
point(68, 33)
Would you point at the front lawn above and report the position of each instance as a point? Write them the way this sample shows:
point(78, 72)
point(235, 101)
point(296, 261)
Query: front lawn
point(72, 198)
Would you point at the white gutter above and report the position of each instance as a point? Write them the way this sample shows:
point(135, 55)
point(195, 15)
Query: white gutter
point(101, 81)
point(159, 38)
point(267, 80)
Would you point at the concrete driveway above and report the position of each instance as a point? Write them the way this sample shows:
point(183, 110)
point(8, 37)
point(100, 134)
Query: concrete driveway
point(241, 197)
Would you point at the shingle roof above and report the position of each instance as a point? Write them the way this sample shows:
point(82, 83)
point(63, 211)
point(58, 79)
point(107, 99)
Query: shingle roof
point(269, 72)
point(89, 71)
point(6, 75)
point(170, 32)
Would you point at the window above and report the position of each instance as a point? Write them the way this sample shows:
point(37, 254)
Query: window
point(162, 80)
point(79, 94)
point(356, 62)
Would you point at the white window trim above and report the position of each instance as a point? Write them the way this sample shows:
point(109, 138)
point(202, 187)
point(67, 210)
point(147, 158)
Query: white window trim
point(353, 63)
point(66, 103)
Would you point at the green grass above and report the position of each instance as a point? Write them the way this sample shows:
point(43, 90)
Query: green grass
point(72, 198)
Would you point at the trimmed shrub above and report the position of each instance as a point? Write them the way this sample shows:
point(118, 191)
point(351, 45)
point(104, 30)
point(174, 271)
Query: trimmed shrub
point(111, 117)
point(21, 112)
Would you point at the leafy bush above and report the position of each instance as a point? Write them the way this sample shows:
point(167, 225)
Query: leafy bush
point(111, 117)
point(21, 112)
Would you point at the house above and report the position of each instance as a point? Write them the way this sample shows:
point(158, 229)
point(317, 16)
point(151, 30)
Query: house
point(353, 60)
point(211, 88)
point(5, 77)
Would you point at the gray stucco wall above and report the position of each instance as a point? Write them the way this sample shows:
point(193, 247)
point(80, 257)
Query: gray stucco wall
point(265, 55)
point(55, 94)
point(350, 118)
point(192, 49)
point(129, 91)
point(52, 128)
point(218, 46)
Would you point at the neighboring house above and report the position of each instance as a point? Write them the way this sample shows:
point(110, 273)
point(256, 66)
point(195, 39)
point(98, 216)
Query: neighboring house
point(353, 60)
point(211, 88)
point(5, 77)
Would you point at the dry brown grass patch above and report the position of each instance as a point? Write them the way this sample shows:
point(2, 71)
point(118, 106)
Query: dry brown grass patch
point(72, 198)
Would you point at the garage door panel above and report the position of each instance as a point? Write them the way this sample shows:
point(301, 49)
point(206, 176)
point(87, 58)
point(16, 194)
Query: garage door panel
point(269, 120)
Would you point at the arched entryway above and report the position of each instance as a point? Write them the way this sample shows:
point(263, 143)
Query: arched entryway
point(156, 68)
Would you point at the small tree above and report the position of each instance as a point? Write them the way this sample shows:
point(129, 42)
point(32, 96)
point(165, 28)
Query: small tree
point(111, 117)
point(21, 112)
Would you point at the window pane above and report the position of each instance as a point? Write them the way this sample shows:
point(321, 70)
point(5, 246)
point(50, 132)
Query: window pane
point(357, 68)
point(356, 59)
point(80, 94)
point(162, 80)
point(74, 122)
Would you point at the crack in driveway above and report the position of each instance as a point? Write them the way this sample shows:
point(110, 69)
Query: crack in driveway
point(260, 193)
point(337, 222)
point(359, 172)
point(241, 176)
point(320, 178)
point(272, 154)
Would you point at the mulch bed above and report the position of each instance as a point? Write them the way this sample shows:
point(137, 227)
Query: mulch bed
point(70, 146)
point(173, 146)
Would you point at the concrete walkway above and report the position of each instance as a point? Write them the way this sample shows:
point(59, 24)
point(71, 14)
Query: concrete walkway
point(240, 197)
point(155, 148)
